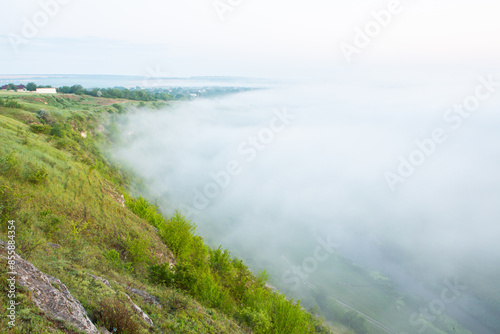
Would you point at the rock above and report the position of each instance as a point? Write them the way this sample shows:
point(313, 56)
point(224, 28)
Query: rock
point(105, 281)
point(104, 330)
point(146, 296)
point(51, 296)
point(121, 200)
point(54, 245)
point(271, 287)
point(139, 311)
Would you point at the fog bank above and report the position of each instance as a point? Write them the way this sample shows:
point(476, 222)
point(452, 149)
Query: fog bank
point(386, 168)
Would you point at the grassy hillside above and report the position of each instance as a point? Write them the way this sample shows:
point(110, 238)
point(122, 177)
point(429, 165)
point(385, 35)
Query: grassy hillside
point(74, 217)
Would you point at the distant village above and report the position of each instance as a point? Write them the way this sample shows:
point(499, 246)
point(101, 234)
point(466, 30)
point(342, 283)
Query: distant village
point(137, 93)
point(24, 89)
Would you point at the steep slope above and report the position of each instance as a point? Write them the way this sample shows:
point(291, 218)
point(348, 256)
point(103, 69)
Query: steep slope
point(75, 222)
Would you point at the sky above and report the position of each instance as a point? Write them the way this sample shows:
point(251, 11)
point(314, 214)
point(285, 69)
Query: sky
point(255, 38)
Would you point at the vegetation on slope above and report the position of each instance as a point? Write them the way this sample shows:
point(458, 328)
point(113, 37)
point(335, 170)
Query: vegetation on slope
point(74, 217)
point(138, 93)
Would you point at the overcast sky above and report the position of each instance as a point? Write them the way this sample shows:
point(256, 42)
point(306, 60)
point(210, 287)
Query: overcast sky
point(256, 38)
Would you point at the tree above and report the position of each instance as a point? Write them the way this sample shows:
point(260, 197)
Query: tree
point(64, 90)
point(31, 87)
point(355, 321)
point(75, 89)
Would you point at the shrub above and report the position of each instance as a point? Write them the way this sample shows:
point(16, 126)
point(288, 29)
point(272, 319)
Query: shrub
point(161, 274)
point(178, 234)
point(220, 261)
point(9, 163)
point(35, 173)
point(57, 131)
point(45, 116)
point(257, 320)
point(219, 281)
point(355, 321)
point(177, 302)
point(118, 107)
point(64, 143)
point(288, 317)
point(10, 104)
point(138, 249)
point(186, 277)
point(142, 208)
point(28, 240)
point(9, 204)
point(40, 128)
point(117, 316)
point(52, 223)
point(114, 259)
point(208, 291)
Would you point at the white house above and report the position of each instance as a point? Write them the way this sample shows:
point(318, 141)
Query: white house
point(46, 91)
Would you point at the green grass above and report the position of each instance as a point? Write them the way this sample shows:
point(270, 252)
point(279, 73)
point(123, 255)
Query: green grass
point(58, 185)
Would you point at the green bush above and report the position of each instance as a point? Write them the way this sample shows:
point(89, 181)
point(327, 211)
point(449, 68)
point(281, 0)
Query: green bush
point(28, 240)
point(219, 281)
point(335, 312)
point(138, 250)
point(178, 234)
point(9, 163)
point(45, 117)
point(40, 128)
point(177, 302)
point(355, 321)
point(65, 143)
point(57, 131)
point(51, 223)
point(161, 274)
point(113, 258)
point(10, 104)
point(35, 173)
point(9, 204)
point(220, 261)
point(186, 277)
point(118, 107)
point(146, 211)
point(287, 317)
point(117, 316)
point(257, 320)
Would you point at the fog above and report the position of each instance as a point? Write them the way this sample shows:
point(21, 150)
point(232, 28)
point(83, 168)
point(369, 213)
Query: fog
point(271, 174)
